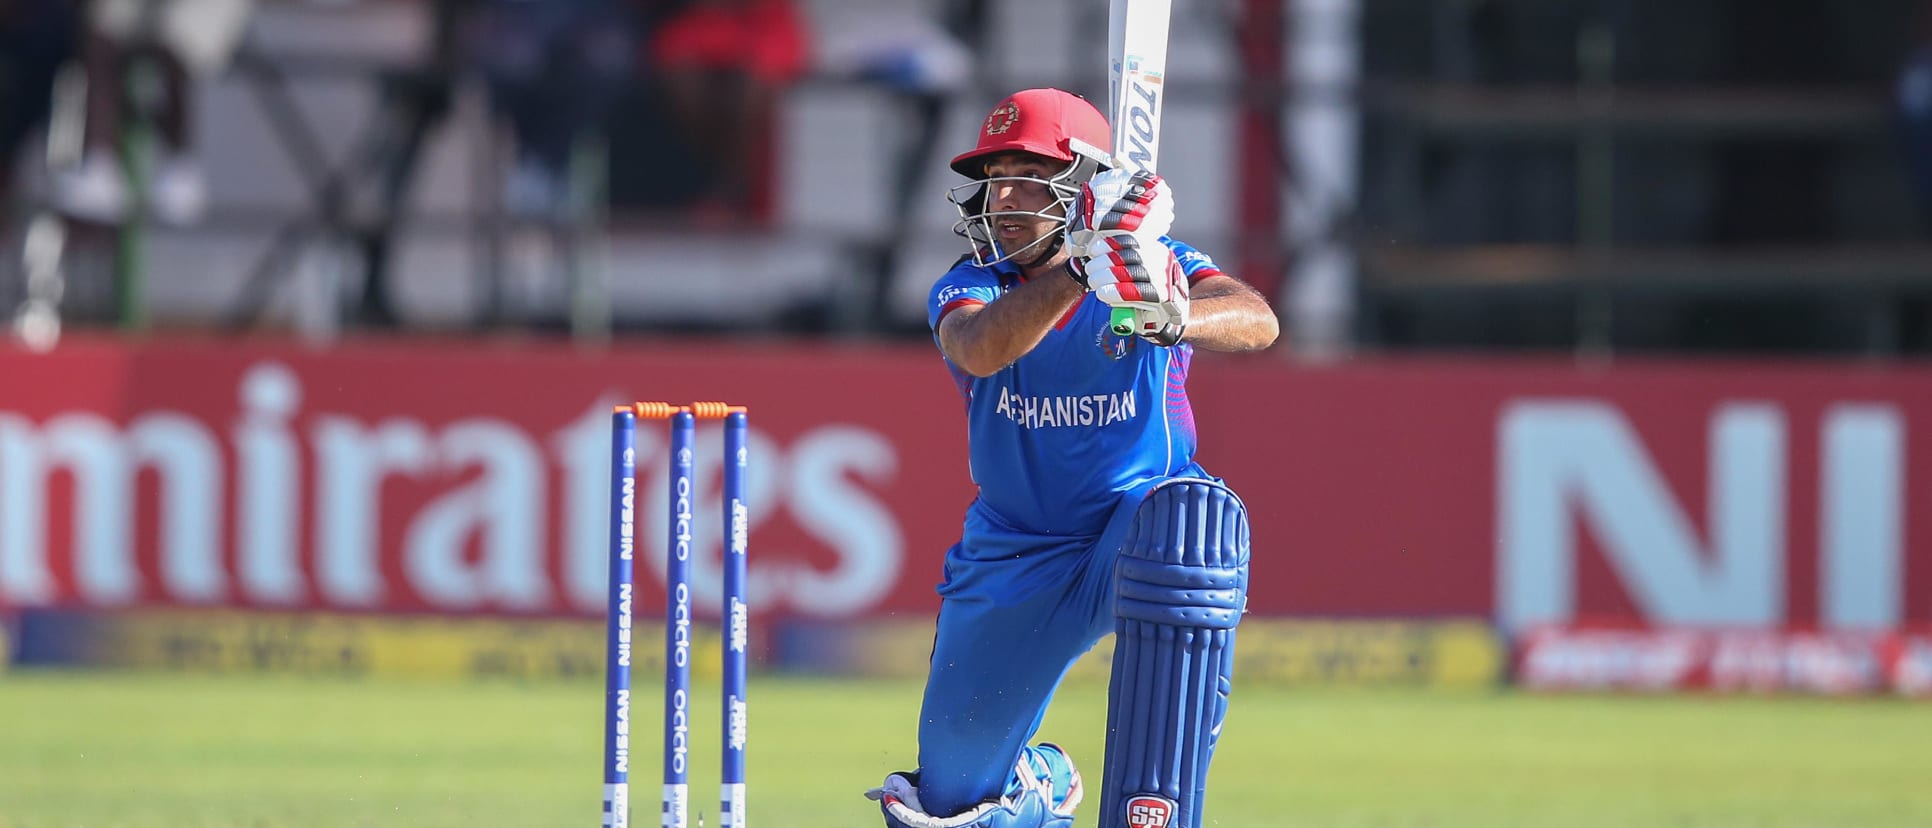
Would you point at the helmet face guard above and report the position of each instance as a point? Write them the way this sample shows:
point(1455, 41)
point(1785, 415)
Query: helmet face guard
point(979, 226)
point(1057, 126)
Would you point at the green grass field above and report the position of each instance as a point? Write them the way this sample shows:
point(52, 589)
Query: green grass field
point(104, 749)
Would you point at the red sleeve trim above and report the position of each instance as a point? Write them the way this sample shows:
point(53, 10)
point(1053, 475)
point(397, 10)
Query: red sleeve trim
point(1196, 277)
point(956, 304)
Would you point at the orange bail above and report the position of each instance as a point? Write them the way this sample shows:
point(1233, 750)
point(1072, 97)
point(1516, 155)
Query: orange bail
point(665, 411)
point(715, 410)
point(656, 410)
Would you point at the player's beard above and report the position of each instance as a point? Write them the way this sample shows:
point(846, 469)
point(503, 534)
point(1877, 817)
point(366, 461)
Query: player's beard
point(1051, 253)
point(1049, 231)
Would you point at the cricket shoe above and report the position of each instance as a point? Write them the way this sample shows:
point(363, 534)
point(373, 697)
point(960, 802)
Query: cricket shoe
point(1043, 792)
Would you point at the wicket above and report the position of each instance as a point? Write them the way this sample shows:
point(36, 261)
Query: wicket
point(677, 635)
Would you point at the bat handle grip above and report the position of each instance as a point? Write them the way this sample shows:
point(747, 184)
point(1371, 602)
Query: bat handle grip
point(1122, 321)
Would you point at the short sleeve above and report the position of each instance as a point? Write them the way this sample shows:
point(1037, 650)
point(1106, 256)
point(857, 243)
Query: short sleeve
point(1194, 263)
point(966, 284)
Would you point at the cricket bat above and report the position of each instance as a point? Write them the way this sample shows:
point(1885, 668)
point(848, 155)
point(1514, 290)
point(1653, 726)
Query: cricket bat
point(1136, 70)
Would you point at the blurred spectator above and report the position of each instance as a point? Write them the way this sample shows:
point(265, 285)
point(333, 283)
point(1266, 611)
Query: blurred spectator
point(554, 68)
point(415, 100)
point(721, 64)
point(901, 46)
point(36, 39)
point(140, 57)
point(1915, 111)
point(924, 60)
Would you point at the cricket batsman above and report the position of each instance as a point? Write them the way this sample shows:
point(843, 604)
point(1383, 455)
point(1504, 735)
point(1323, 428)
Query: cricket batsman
point(1092, 516)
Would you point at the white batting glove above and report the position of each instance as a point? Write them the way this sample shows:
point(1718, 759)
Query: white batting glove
point(1127, 269)
point(1147, 279)
point(1117, 202)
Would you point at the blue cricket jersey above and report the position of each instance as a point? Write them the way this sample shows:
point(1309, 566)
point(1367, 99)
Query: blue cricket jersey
point(1059, 435)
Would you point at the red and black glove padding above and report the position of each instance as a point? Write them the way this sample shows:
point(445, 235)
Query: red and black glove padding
point(1119, 202)
point(1129, 273)
point(1148, 279)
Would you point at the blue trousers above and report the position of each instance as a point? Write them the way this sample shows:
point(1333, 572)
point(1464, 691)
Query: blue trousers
point(1016, 611)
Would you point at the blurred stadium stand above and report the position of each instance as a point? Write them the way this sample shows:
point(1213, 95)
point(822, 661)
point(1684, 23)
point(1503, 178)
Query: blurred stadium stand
point(1630, 175)
point(288, 127)
point(1580, 175)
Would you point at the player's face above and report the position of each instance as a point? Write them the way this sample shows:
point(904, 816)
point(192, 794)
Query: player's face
point(1017, 184)
point(1018, 203)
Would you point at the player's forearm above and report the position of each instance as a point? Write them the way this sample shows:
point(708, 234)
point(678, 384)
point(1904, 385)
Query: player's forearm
point(992, 337)
point(1228, 315)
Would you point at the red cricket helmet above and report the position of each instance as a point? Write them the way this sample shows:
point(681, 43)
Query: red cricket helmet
point(1049, 122)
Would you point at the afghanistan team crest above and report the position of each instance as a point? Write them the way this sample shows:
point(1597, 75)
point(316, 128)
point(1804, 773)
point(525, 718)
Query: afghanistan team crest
point(1002, 118)
point(1112, 344)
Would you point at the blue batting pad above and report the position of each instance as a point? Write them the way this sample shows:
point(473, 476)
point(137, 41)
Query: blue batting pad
point(1181, 585)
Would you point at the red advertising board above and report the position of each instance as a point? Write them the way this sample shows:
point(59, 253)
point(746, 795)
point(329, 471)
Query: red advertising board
point(463, 476)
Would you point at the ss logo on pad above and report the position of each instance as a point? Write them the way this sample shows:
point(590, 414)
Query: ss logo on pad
point(1149, 812)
